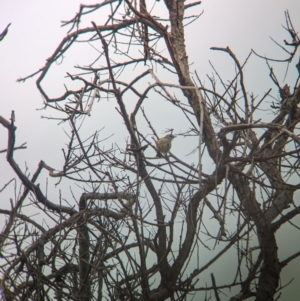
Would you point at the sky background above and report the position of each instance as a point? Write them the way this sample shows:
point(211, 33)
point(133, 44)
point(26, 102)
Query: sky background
point(35, 33)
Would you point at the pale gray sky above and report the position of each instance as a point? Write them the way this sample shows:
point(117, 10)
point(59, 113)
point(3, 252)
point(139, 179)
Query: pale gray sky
point(35, 33)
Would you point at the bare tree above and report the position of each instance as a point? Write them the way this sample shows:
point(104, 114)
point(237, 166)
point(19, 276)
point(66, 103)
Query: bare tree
point(138, 226)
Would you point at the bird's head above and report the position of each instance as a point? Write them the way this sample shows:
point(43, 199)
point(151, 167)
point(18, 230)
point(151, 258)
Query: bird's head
point(170, 136)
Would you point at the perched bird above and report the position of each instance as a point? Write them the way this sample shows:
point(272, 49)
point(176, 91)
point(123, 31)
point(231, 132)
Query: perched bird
point(163, 145)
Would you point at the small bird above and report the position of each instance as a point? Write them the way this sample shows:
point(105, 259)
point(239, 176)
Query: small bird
point(163, 145)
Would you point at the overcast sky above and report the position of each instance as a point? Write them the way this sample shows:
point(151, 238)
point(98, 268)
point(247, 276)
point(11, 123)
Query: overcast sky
point(35, 33)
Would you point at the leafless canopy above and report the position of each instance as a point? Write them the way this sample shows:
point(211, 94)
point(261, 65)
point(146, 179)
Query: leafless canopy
point(137, 227)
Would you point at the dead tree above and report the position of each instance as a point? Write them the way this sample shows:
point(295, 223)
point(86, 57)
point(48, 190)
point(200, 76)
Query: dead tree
point(138, 227)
